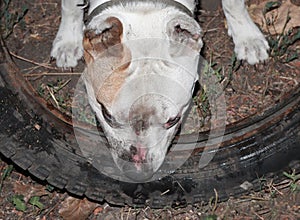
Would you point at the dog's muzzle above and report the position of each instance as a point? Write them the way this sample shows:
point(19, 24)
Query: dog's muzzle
point(134, 164)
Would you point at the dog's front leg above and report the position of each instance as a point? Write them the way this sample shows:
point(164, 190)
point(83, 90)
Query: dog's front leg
point(67, 47)
point(250, 43)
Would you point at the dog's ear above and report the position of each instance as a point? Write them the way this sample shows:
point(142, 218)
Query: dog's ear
point(185, 31)
point(106, 41)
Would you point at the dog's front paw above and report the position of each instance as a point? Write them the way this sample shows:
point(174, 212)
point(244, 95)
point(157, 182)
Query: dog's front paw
point(252, 49)
point(66, 52)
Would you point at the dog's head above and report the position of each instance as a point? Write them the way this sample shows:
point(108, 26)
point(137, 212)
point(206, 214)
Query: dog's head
point(140, 77)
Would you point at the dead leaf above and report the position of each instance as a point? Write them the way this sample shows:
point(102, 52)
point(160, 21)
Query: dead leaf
point(296, 64)
point(76, 209)
point(277, 16)
point(29, 191)
point(296, 2)
point(98, 210)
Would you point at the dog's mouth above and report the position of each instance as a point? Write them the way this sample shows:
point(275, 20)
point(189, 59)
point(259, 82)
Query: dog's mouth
point(135, 165)
point(138, 155)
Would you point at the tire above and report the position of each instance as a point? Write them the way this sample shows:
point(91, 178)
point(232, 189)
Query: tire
point(34, 138)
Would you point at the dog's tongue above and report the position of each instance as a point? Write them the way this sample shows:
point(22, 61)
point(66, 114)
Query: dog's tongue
point(139, 157)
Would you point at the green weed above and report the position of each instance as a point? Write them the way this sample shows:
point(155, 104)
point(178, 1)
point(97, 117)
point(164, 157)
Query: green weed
point(10, 18)
point(52, 90)
point(35, 201)
point(294, 179)
point(280, 43)
point(6, 173)
point(19, 203)
point(210, 217)
point(50, 188)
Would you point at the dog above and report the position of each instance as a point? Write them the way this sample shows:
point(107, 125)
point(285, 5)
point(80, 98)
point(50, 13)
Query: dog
point(141, 67)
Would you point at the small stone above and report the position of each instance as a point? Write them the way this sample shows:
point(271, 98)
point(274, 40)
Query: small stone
point(37, 127)
point(246, 185)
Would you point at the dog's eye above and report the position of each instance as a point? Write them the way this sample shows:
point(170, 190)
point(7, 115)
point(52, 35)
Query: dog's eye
point(108, 117)
point(171, 122)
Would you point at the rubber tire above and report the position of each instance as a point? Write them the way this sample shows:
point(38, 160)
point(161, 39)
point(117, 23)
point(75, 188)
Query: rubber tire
point(263, 145)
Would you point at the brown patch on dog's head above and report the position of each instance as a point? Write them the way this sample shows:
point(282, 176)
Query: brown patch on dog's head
point(107, 60)
point(96, 43)
point(110, 88)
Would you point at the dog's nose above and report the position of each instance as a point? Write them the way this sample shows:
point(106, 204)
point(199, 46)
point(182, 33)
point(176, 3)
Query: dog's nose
point(133, 150)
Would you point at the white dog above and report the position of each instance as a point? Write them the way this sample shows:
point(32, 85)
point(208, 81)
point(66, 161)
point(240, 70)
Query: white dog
point(142, 58)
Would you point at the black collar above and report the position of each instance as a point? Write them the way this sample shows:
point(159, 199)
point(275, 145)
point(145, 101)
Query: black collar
point(110, 3)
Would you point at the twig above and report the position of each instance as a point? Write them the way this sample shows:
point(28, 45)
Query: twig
point(265, 89)
point(180, 186)
point(277, 190)
point(51, 74)
point(289, 78)
point(31, 61)
point(63, 85)
point(255, 198)
point(30, 69)
point(264, 211)
point(257, 215)
point(53, 97)
point(216, 200)
point(211, 30)
point(128, 214)
point(165, 192)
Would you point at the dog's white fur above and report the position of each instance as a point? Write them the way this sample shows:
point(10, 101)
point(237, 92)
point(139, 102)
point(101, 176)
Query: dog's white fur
point(142, 132)
point(250, 44)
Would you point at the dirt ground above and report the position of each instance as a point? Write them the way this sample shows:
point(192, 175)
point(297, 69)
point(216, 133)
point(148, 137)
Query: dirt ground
point(22, 197)
point(29, 29)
